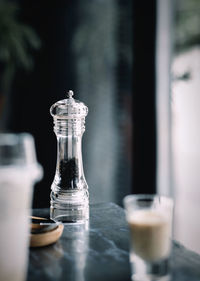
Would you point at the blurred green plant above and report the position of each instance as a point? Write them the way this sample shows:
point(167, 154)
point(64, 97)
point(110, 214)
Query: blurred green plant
point(187, 24)
point(17, 40)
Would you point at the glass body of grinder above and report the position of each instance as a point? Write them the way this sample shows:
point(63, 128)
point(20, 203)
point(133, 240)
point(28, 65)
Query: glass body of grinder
point(69, 190)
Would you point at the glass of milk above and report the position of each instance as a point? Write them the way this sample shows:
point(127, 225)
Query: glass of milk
point(150, 222)
point(19, 170)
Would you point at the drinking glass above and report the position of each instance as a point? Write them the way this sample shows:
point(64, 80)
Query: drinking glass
point(150, 222)
point(19, 170)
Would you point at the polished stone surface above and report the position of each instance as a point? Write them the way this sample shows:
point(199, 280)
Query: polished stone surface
point(99, 251)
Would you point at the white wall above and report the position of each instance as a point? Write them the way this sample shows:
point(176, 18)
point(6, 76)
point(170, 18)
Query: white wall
point(163, 81)
point(178, 126)
point(186, 147)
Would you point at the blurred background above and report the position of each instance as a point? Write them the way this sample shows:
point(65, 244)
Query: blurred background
point(85, 46)
point(136, 66)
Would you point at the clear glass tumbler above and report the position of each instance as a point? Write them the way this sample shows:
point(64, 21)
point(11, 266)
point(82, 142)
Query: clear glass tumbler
point(150, 222)
point(18, 172)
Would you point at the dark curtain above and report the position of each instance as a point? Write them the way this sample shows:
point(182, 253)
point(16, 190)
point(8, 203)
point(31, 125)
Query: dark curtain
point(105, 52)
point(86, 47)
point(144, 97)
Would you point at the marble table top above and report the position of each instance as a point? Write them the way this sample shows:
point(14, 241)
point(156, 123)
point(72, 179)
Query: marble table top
point(99, 251)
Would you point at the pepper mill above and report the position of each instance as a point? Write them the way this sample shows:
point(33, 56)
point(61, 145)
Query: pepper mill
point(69, 190)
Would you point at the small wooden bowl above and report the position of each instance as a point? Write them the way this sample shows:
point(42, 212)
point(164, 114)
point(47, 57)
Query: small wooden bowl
point(46, 238)
point(43, 235)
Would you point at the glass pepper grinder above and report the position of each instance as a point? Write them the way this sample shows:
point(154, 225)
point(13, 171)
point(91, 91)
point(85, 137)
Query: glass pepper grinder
point(69, 190)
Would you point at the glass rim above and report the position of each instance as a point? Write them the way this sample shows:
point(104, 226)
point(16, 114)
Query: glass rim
point(21, 162)
point(11, 138)
point(166, 200)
